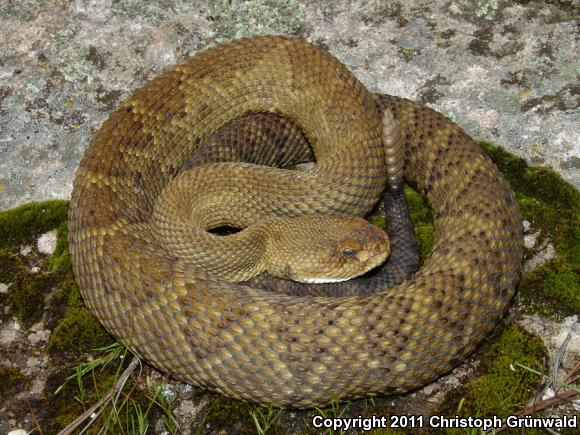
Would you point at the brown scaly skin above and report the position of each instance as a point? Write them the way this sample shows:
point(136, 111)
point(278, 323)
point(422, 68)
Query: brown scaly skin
point(270, 348)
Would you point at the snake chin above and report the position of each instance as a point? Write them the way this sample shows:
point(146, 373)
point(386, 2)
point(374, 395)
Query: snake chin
point(321, 280)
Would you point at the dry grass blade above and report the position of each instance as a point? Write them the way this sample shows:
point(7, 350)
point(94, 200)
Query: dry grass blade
point(97, 407)
point(559, 396)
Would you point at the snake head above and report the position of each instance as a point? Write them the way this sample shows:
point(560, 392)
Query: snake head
point(319, 249)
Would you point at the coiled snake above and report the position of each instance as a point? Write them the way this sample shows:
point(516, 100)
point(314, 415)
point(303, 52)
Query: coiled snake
point(290, 351)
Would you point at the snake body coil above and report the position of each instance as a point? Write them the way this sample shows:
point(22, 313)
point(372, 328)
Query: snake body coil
point(272, 348)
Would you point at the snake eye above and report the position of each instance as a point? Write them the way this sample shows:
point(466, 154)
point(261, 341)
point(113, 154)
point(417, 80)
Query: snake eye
point(349, 252)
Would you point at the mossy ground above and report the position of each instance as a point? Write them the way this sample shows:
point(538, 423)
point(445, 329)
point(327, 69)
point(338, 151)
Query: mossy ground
point(502, 387)
point(553, 207)
point(10, 377)
point(51, 295)
point(222, 413)
point(42, 288)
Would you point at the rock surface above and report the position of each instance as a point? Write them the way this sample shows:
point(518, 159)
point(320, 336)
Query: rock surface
point(505, 71)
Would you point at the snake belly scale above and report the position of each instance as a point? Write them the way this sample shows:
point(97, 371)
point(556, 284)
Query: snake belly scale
point(291, 351)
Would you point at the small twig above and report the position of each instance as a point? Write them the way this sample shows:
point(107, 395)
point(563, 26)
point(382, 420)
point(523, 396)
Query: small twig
point(127, 395)
point(553, 380)
point(558, 360)
point(547, 403)
point(97, 408)
point(570, 376)
point(554, 400)
point(34, 419)
point(116, 390)
point(540, 389)
point(558, 396)
point(132, 388)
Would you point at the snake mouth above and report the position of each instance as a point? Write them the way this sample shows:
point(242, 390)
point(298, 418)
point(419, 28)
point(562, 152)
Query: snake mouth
point(322, 280)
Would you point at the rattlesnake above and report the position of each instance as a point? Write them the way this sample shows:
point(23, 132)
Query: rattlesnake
point(290, 351)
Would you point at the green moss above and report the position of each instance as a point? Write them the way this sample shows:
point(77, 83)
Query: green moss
point(24, 223)
point(77, 330)
point(378, 220)
point(552, 206)
point(552, 288)
point(26, 297)
point(501, 387)
point(10, 377)
point(505, 388)
point(408, 53)
point(28, 290)
point(74, 328)
point(223, 412)
point(10, 262)
point(422, 221)
point(59, 261)
point(549, 200)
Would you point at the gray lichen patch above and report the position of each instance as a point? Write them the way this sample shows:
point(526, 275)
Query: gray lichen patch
point(63, 68)
point(486, 9)
point(375, 12)
point(430, 92)
point(566, 99)
point(242, 18)
point(67, 56)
